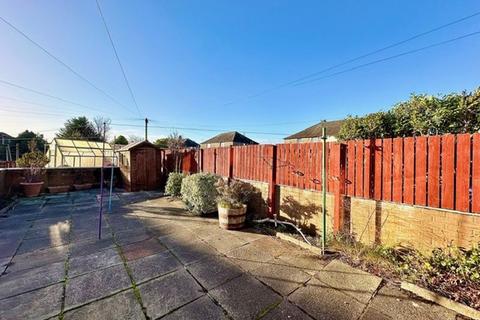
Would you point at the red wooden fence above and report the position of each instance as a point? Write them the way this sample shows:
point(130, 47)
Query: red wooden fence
point(435, 171)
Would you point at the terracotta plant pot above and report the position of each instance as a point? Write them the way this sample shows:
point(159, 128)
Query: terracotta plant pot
point(232, 218)
point(31, 189)
point(59, 189)
point(83, 186)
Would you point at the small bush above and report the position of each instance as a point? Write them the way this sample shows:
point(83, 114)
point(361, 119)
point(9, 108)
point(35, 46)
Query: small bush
point(174, 184)
point(199, 192)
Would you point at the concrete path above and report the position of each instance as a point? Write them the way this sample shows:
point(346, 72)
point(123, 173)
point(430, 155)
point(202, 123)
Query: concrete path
point(152, 262)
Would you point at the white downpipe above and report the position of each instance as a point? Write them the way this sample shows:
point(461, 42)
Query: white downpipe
point(275, 221)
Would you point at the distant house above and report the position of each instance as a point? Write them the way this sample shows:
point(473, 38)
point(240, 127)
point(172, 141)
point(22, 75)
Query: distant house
point(189, 143)
point(227, 139)
point(314, 133)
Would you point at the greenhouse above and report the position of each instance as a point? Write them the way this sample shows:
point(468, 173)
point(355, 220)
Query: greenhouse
point(80, 153)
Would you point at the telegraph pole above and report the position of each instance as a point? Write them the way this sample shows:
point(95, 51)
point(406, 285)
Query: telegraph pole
point(146, 129)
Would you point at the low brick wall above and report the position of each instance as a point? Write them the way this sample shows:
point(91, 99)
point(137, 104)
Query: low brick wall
point(371, 221)
point(10, 178)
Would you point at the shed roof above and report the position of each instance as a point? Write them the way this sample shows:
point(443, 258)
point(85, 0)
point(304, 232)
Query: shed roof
point(333, 127)
point(137, 144)
point(232, 136)
point(189, 143)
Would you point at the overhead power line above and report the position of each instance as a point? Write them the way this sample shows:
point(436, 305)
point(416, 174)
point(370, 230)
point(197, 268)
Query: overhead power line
point(391, 57)
point(51, 55)
point(197, 129)
point(48, 95)
point(118, 58)
point(376, 51)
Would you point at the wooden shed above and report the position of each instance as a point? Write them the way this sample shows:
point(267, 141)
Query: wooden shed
point(141, 166)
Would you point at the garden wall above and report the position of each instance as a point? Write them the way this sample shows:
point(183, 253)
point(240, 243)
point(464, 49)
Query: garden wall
point(10, 178)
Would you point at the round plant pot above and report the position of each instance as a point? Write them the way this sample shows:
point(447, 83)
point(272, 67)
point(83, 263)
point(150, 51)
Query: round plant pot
point(31, 189)
point(232, 218)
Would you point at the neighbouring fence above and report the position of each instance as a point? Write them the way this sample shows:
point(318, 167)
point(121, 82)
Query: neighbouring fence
point(434, 171)
point(423, 191)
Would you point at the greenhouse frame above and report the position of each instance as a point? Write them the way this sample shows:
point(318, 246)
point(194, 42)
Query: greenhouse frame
point(80, 153)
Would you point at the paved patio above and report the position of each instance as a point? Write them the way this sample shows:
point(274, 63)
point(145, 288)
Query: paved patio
point(153, 262)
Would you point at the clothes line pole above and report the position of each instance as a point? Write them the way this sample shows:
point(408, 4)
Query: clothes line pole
point(101, 185)
point(111, 177)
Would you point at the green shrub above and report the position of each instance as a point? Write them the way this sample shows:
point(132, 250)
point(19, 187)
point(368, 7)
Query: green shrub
point(174, 184)
point(199, 192)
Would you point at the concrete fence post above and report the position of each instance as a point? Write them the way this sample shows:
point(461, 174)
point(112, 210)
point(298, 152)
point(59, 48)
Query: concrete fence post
point(272, 183)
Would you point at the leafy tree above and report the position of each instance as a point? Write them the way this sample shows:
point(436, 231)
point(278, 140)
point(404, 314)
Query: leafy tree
point(24, 139)
point(98, 122)
point(79, 128)
point(420, 115)
point(120, 140)
point(162, 142)
point(134, 138)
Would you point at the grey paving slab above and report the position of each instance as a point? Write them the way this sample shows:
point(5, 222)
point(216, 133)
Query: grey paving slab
point(310, 262)
point(14, 283)
point(245, 297)
point(82, 248)
point(8, 247)
point(224, 242)
point(98, 260)
point(95, 285)
point(281, 278)
point(392, 303)
point(322, 302)
point(286, 310)
point(38, 258)
point(163, 295)
point(142, 249)
point(123, 305)
point(30, 245)
point(153, 266)
point(214, 270)
point(176, 239)
point(39, 304)
point(193, 252)
point(201, 309)
point(131, 236)
point(354, 282)
point(249, 257)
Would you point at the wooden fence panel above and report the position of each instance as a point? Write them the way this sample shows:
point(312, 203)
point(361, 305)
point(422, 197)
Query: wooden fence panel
point(397, 195)
point(408, 170)
point(377, 173)
point(448, 172)
point(367, 167)
point(319, 169)
point(462, 187)
point(434, 161)
point(421, 171)
point(476, 173)
point(350, 168)
point(387, 170)
point(359, 168)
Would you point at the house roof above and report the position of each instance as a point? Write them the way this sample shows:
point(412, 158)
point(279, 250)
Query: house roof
point(5, 136)
point(232, 136)
point(189, 143)
point(137, 144)
point(332, 128)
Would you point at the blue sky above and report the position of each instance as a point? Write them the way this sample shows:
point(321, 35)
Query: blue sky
point(187, 61)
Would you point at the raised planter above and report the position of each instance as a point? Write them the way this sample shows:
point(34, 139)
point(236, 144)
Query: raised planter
point(83, 186)
point(232, 218)
point(31, 189)
point(59, 189)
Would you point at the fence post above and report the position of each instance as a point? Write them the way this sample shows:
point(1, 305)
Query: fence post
point(214, 160)
point(272, 183)
point(200, 159)
point(339, 154)
point(230, 163)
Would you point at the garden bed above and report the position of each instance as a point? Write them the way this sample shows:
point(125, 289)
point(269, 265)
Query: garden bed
point(451, 272)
